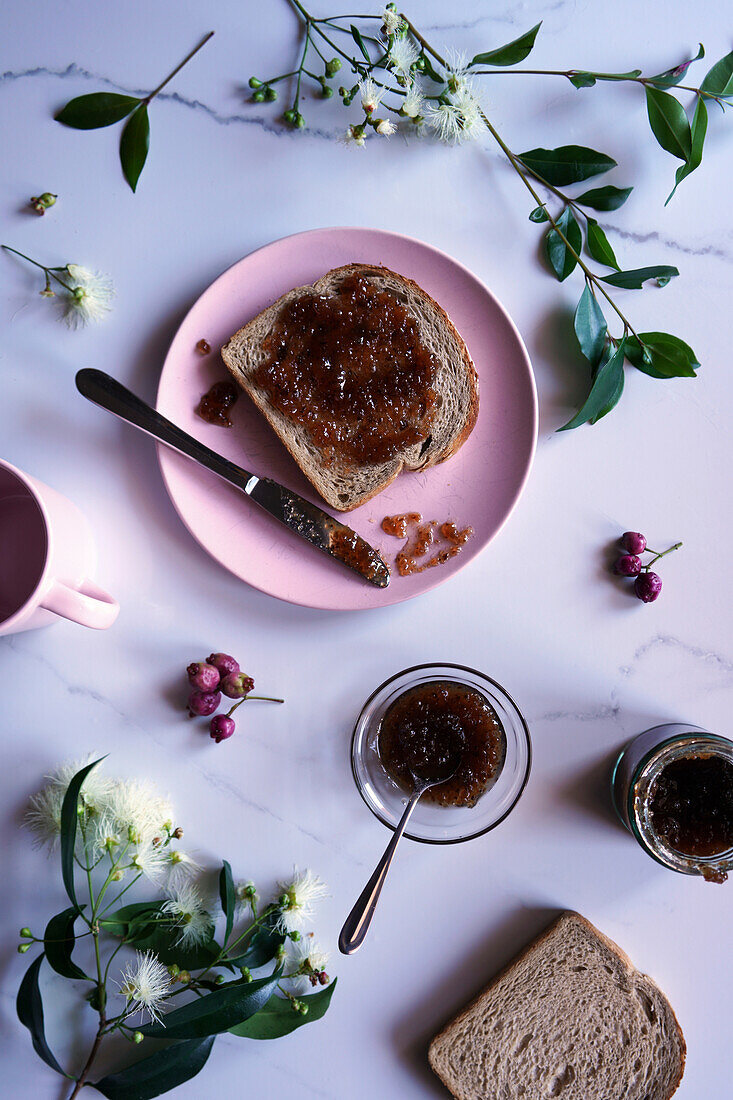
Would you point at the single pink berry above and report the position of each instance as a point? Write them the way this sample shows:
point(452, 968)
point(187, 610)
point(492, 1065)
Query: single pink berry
point(647, 586)
point(222, 726)
point(627, 566)
point(633, 542)
point(237, 686)
point(203, 676)
point(225, 664)
point(203, 703)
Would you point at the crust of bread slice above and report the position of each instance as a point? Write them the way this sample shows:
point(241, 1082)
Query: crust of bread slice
point(568, 1017)
point(345, 486)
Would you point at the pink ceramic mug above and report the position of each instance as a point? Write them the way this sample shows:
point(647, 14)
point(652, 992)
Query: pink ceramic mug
point(46, 554)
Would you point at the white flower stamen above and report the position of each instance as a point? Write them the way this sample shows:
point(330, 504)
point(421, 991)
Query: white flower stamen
point(371, 95)
point(402, 56)
point(90, 297)
point(186, 907)
point(392, 22)
point(144, 984)
point(385, 127)
point(298, 899)
point(413, 102)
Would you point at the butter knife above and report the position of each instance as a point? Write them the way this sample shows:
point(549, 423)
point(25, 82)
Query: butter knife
point(304, 519)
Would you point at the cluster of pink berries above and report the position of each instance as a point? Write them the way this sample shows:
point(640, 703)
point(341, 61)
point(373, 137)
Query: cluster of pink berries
point(219, 675)
point(647, 585)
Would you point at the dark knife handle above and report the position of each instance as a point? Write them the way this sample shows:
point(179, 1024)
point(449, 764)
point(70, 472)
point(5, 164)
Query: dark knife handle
point(111, 395)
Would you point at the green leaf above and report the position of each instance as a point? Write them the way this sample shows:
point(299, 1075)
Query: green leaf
point(719, 80)
point(604, 391)
point(360, 42)
point(666, 356)
point(162, 1071)
point(615, 396)
point(631, 75)
point(561, 259)
point(669, 123)
point(141, 924)
point(263, 944)
point(598, 245)
point(635, 279)
point(567, 163)
point(590, 327)
point(134, 145)
point(698, 131)
point(29, 1007)
point(59, 941)
point(228, 897)
point(277, 1018)
point(230, 1005)
point(673, 76)
point(90, 112)
point(539, 214)
point(69, 818)
point(131, 920)
point(510, 54)
point(604, 198)
point(582, 80)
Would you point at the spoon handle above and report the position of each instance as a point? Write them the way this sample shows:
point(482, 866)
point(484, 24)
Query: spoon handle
point(357, 923)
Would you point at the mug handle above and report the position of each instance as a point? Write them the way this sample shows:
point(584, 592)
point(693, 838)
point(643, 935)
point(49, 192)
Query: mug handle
point(88, 605)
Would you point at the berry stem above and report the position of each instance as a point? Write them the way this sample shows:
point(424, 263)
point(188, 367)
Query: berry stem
point(662, 555)
point(265, 698)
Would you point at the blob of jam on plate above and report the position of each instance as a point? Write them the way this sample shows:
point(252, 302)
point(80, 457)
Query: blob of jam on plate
point(215, 403)
point(424, 723)
point(691, 808)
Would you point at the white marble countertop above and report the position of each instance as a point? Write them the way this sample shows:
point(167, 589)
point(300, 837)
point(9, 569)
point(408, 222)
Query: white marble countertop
point(589, 667)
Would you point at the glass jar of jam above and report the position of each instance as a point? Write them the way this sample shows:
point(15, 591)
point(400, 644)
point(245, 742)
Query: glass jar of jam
point(672, 787)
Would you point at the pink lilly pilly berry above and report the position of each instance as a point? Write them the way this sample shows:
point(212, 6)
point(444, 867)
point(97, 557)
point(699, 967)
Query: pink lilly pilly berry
point(647, 584)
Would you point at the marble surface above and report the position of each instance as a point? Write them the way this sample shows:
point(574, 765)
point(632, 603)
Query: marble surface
point(589, 666)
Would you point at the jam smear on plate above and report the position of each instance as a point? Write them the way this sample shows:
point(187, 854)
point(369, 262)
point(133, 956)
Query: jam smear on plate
point(422, 539)
point(215, 403)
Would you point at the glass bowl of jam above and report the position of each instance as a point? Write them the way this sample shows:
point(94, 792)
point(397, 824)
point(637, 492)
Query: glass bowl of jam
point(410, 720)
point(673, 790)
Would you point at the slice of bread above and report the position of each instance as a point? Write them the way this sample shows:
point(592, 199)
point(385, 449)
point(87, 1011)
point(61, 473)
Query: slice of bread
point(346, 486)
point(569, 1017)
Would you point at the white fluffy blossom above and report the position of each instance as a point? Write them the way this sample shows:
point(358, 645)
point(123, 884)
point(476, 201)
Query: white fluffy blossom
point(402, 56)
point(370, 94)
point(187, 908)
point(90, 296)
point(298, 898)
point(145, 984)
point(355, 135)
point(459, 120)
point(152, 861)
point(140, 811)
point(44, 812)
point(392, 22)
point(413, 102)
point(385, 127)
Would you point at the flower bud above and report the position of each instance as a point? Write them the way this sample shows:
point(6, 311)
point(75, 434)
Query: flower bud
point(270, 95)
point(184, 977)
point(23, 947)
point(333, 66)
point(420, 64)
point(294, 935)
point(174, 970)
point(295, 1005)
point(289, 116)
point(26, 932)
point(258, 96)
point(254, 82)
point(303, 1008)
point(138, 1037)
point(299, 120)
point(246, 974)
point(177, 833)
point(219, 979)
point(327, 92)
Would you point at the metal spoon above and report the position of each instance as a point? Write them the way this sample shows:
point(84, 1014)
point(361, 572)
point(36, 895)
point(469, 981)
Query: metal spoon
point(357, 923)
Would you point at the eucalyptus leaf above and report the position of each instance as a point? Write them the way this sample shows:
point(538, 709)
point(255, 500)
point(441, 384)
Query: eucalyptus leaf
point(29, 1007)
point(719, 81)
point(567, 163)
point(230, 1005)
point(603, 391)
point(598, 245)
point(262, 945)
point(673, 76)
point(666, 356)
point(162, 1071)
point(612, 401)
point(635, 279)
point(59, 941)
point(131, 920)
point(142, 925)
point(134, 145)
point(277, 1017)
point(669, 123)
point(561, 259)
point(604, 198)
point(581, 79)
point(539, 214)
point(632, 74)
point(69, 820)
point(355, 34)
point(698, 130)
point(590, 327)
point(90, 112)
point(228, 897)
point(510, 54)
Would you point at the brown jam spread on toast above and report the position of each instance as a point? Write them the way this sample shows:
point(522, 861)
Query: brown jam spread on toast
point(691, 807)
point(351, 369)
point(215, 404)
point(422, 724)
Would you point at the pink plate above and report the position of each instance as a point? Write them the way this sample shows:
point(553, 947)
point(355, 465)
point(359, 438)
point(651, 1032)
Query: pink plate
point(479, 486)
